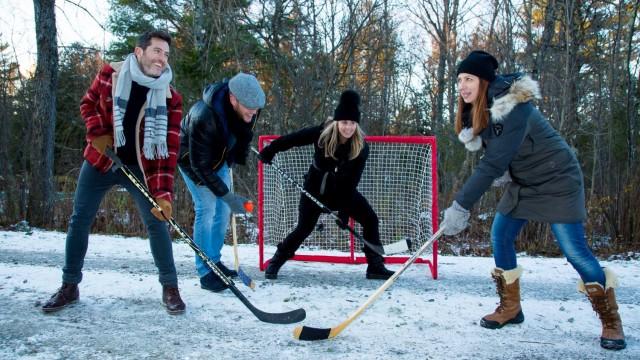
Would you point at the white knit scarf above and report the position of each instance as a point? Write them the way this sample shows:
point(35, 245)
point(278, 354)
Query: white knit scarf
point(155, 113)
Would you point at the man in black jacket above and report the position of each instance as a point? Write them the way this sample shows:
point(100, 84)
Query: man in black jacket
point(214, 135)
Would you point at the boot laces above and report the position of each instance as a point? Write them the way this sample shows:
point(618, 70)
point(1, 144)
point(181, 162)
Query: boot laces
point(500, 289)
point(172, 291)
point(602, 307)
point(64, 289)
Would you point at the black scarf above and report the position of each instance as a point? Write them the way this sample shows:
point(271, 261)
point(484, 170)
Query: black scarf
point(243, 133)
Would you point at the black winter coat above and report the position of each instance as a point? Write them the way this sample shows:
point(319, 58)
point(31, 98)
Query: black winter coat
point(211, 134)
point(333, 181)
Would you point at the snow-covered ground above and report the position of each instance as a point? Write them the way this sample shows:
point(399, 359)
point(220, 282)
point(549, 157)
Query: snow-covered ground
point(119, 315)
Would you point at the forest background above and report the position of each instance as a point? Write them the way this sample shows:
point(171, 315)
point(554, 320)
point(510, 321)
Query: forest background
point(401, 55)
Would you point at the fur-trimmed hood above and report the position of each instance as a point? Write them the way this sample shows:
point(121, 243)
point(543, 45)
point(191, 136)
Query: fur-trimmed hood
point(504, 93)
point(547, 184)
point(507, 91)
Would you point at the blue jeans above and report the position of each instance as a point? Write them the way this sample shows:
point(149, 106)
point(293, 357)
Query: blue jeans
point(91, 188)
point(211, 221)
point(570, 238)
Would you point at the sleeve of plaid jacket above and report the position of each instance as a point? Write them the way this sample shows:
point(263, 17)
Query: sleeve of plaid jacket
point(96, 105)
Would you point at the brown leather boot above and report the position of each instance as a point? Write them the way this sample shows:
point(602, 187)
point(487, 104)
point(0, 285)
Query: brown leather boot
point(509, 310)
point(603, 301)
point(171, 300)
point(66, 295)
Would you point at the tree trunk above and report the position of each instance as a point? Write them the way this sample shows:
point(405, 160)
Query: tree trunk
point(573, 40)
point(547, 35)
point(9, 211)
point(631, 101)
point(41, 189)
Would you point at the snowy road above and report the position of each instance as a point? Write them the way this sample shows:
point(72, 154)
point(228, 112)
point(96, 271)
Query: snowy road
point(119, 315)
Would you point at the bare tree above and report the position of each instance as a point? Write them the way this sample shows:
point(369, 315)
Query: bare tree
point(41, 189)
point(631, 101)
point(439, 19)
point(9, 194)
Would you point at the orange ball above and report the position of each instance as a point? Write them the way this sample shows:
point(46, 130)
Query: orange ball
point(249, 206)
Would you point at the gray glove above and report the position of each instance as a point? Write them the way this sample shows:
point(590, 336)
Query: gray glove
point(456, 219)
point(235, 202)
point(502, 180)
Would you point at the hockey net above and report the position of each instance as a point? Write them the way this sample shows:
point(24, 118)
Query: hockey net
point(399, 181)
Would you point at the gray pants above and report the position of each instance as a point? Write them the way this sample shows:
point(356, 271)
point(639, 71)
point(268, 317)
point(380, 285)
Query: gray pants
point(92, 186)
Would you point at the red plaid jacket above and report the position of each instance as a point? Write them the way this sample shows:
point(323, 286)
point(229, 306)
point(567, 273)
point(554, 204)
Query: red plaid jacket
point(96, 108)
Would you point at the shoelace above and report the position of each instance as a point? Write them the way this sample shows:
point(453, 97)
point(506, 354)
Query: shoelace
point(500, 289)
point(602, 308)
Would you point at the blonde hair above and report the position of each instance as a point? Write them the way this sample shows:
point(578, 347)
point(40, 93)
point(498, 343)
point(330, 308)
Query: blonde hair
point(330, 138)
point(479, 110)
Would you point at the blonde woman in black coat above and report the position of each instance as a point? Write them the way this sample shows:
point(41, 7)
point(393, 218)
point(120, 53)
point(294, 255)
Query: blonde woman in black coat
point(544, 183)
point(338, 162)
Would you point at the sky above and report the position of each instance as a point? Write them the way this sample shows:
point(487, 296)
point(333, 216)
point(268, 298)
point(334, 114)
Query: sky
point(17, 26)
point(119, 315)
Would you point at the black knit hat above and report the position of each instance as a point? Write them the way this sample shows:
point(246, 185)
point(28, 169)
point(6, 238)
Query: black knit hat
point(479, 63)
point(348, 107)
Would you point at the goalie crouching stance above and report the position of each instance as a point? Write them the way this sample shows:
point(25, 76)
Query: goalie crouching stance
point(338, 162)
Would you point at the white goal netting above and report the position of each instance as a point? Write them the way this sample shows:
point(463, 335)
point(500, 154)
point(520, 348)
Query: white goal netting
point(399, 181)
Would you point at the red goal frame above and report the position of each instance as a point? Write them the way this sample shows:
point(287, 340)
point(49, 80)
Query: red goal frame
point(352, 257)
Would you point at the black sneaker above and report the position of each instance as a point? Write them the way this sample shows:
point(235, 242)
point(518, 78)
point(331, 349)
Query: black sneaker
point(212, 282)
point(378, 272)
point(275, 264)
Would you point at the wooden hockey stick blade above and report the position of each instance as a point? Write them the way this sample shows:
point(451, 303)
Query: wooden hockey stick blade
point(311, 333)
point(248, 281)
point(398, 247)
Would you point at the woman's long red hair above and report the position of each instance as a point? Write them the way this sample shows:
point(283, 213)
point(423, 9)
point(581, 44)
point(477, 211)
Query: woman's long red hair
point(479, 110)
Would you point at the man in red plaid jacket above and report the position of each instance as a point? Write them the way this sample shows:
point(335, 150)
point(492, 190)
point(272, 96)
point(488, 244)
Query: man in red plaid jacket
point(131, 108)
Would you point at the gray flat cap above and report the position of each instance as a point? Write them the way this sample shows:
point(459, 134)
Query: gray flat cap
point(247, 90)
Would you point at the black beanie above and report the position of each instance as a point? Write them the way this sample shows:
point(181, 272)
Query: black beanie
point(348, 107)
point(479, 63)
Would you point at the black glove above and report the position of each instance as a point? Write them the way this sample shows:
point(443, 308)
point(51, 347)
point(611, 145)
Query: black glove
point(266, 155)
point(342, 221)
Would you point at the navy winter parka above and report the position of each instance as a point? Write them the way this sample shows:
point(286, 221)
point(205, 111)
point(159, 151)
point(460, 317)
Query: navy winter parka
point(547, 182)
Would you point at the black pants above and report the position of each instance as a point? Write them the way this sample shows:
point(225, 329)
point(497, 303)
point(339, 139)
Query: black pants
point(308, 214)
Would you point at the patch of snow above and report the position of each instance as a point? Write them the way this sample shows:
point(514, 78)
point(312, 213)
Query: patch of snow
point(119, 315)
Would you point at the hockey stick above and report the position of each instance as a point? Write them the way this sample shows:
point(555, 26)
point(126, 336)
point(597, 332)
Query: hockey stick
point(246, 279)
point(311, 333)
point(274, 318)
point(376, 248)
point(398, 247)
